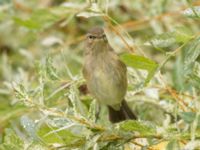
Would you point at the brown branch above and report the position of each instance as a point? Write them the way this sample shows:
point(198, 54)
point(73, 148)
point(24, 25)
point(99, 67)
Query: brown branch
point(21, 7)
point(136, 23)
point(180, 94)
point(180, 101)
point(113, 28)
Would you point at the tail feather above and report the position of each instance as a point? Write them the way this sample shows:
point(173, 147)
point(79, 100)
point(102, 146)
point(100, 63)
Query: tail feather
point(124, 113)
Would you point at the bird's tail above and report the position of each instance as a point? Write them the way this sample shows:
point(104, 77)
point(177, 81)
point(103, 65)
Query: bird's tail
point(124, 113)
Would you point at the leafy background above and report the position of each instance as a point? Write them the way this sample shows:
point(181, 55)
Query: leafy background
point(43, 100)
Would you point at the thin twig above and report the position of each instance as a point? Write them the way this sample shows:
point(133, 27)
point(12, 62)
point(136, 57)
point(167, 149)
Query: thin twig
point(180, 101)
point(131, 24)
point(108, 19)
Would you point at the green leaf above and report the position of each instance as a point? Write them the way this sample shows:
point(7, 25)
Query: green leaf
point(8, 113)
point(189, 117)
point(93, 110)
point(173, 145)
point(180, 35)
point(178, 80)
point(92, 11)
point(140, 62)
point(21, 94)
point(143, 128)
point(94, 7)
point(40, 69)
point(39, 19)
point(191, 64)
point(29, 125)
point(187, 65)
point(193, 12)
point(36, 146)
point(4, 2)
point(192, 51)
point(163, 40)
point(12, 141)
point(78, 106)
point(194, 76)
point(50, 69)
point(31, 24)
point(62, 136)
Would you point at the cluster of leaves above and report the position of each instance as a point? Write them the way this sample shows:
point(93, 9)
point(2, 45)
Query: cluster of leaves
point(44, 104)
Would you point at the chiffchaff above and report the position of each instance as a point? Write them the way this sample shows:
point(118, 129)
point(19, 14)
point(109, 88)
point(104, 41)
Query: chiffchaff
point(105, 75)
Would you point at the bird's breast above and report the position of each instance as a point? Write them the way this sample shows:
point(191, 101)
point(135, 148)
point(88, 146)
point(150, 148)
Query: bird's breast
point(106, 80)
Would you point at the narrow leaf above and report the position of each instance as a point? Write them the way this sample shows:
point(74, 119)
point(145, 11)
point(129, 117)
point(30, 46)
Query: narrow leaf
point(191, 53)
point(12, 141)
point(142, 127)
point(193, 12)
point(51, 70)
point(163, 40)
point(180, 35)
point(173, 145)
point(92, 11)
point(39, 19)
point(189, 117)
point(29, 126)
point(194, 77)
point(140, 62)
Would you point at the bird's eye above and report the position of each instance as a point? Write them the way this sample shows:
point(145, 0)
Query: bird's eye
point(91, 37)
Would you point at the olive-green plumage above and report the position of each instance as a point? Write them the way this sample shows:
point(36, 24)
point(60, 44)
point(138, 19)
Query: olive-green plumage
point(105, 74)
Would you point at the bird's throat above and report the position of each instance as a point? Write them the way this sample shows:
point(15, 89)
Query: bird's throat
point(100, 48)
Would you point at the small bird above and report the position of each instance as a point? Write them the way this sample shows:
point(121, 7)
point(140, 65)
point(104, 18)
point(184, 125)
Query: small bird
point(106, 76)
